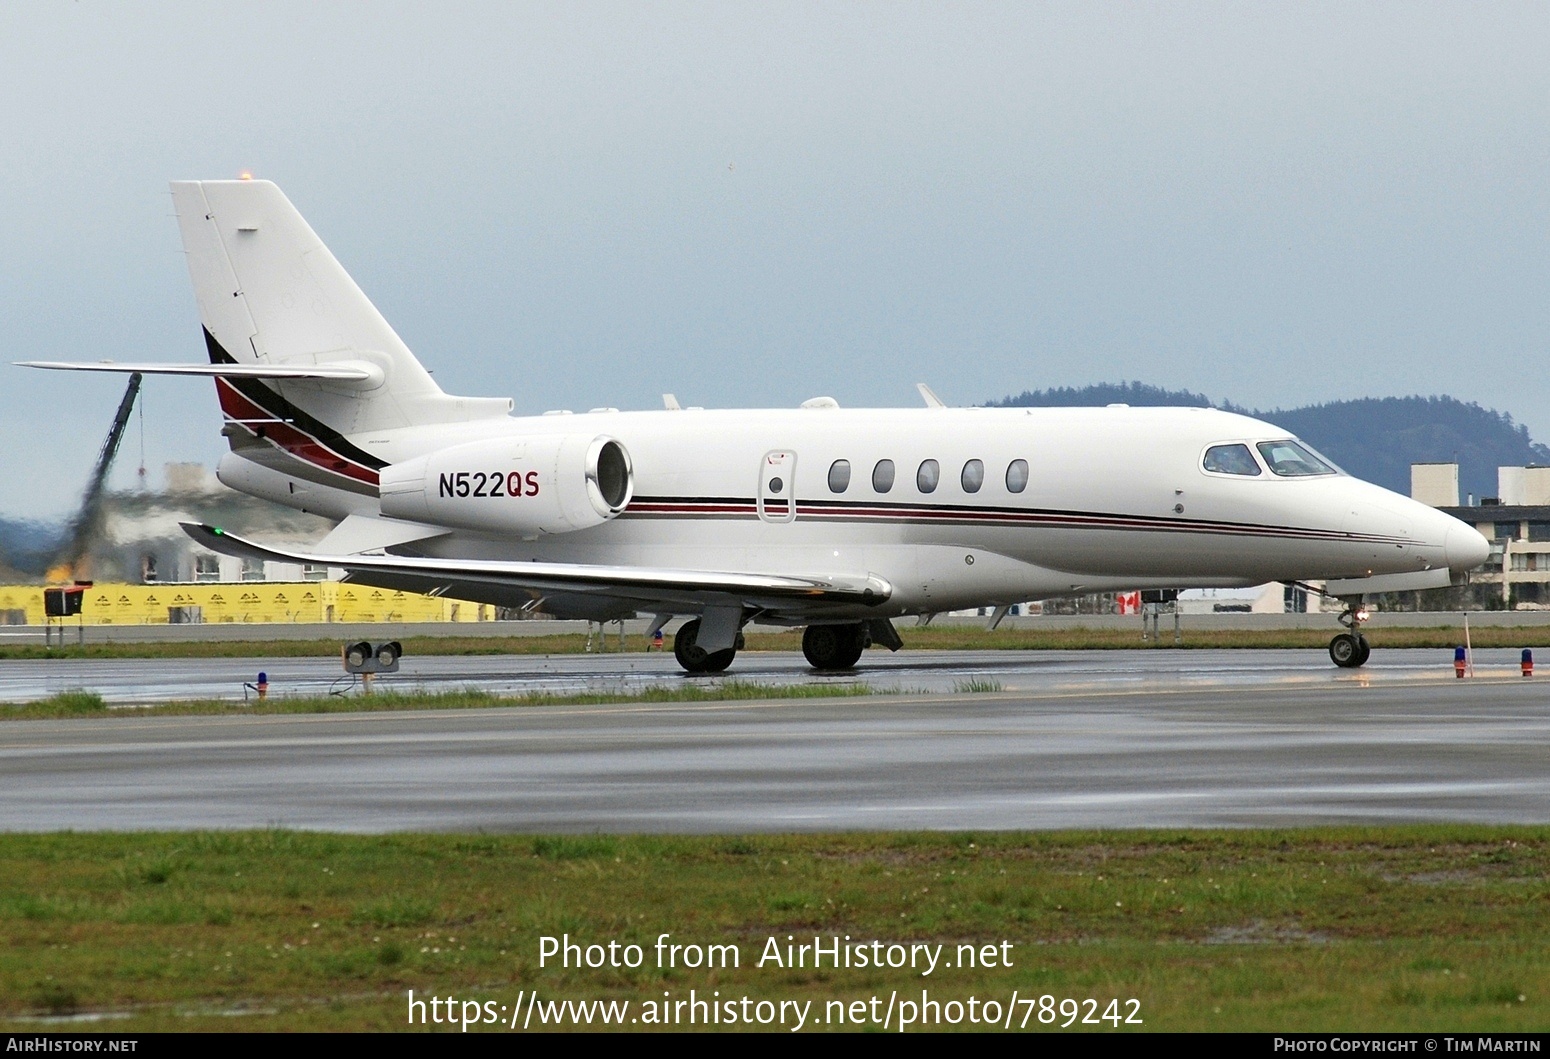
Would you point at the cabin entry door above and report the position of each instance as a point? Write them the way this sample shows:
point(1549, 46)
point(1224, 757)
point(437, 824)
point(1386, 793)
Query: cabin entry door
point(777, 500)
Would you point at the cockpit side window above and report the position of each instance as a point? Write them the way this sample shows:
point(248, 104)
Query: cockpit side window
point(1230, 459)
point(1292, 459)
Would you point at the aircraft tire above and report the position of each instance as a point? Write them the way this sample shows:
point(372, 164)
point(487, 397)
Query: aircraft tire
point(717, 661)
point(1346, 651)
point(694, 658)
point(834, 646)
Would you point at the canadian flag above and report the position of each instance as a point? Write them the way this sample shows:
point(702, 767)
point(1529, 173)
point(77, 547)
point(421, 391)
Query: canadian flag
point(1128, 603)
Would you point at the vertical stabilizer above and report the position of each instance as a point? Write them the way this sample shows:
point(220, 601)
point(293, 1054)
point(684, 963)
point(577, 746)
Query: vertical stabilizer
point(270, 292)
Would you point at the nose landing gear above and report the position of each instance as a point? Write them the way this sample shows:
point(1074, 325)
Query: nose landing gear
point(1348, 650)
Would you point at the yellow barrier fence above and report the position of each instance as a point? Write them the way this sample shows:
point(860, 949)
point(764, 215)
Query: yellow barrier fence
point(241, 601)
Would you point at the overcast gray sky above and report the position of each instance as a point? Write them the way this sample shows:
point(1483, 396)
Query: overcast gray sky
point(581, 205)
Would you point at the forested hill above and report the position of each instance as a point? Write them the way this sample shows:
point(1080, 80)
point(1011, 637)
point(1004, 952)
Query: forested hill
point(25, 547)
point(1136, 393)
point(1376, 438)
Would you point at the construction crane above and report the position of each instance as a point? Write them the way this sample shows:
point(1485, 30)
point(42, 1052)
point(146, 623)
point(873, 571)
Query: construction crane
point(84, 526)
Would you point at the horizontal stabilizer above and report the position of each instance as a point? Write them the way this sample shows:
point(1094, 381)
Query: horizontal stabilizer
point(693, 588)
point(359, 371)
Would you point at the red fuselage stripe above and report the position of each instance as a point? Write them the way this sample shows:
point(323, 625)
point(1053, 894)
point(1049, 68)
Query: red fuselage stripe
point(1051, 520)
point(286, 436)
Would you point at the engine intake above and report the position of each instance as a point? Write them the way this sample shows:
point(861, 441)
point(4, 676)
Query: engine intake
point(527, 486)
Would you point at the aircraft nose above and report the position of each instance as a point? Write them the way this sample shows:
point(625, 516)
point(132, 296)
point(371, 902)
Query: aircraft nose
point(1466, 548)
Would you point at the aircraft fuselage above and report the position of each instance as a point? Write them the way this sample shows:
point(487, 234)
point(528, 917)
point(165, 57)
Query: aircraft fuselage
point(1114, 498)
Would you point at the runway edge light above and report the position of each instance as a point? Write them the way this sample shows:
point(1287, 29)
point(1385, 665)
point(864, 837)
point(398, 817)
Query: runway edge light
point(362, 658)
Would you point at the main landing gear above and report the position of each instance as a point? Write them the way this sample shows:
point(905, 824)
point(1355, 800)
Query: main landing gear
point(1348, 650)
point(694, 658)
point(835, 646)
point(827, 647)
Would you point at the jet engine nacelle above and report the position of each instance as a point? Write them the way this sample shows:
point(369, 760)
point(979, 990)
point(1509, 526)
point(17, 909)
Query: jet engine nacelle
point(524, 486)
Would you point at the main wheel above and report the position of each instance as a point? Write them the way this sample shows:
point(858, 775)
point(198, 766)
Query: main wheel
point(834, 646)
point(1348, 651)
point(693, 657)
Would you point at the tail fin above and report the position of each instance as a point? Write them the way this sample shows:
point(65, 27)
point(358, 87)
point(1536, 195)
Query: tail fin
point(270, 293)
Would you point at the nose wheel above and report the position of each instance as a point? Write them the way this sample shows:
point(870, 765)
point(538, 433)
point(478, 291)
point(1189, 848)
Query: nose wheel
point(1348, 650)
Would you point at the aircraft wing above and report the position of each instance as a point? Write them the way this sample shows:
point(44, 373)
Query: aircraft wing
point(338, 372)
point(651, 586)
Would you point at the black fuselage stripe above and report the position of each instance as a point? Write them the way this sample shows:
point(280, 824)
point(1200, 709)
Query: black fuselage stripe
point(276, 405)
point(927, 514)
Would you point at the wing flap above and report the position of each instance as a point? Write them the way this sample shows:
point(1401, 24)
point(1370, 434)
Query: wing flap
point(695, 588)
point(367, 533)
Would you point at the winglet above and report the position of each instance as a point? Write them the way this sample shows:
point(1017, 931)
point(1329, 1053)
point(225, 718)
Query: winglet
point(218, 540)
point(931, 399)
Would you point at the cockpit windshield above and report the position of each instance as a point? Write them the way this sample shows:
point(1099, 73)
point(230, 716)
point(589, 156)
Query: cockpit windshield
point(1292, 459)
point(1230, 459)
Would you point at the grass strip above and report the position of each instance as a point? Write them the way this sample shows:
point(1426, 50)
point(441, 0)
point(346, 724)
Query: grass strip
point(952, 638)
point(1412, 928)
point(91, 704)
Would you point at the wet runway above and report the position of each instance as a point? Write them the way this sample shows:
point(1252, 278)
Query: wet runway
point(1078, 739)
point(131, 681)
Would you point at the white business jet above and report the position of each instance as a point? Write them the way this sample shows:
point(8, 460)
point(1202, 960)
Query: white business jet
point(835, 519)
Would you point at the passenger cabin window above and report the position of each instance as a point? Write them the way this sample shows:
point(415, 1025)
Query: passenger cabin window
point(1017, 476)
point(973, 476)
point(1291, 459)
point(839, 476)
point(1230, 459)
point(929, 474)
point(882, 476)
